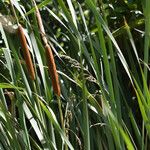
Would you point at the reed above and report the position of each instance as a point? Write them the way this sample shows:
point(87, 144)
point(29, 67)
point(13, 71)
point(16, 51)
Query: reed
point(26, 52)
point(49, 54)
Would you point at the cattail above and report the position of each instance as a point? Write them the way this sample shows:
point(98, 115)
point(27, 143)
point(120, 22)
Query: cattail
point(26, 52)
point(52, 70)
point(49, 54)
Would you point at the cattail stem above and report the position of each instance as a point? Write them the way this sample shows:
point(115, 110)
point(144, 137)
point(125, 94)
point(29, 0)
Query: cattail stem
point(26, 52)
point(52, 70)
point(40, 24)
point(51, 66)
point(13, 11)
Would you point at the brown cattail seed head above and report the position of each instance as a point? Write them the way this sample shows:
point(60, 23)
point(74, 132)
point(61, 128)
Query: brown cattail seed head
point(26, 52)
point(52, 70)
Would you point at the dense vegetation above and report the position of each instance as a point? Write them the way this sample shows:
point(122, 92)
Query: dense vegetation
point(99, 96)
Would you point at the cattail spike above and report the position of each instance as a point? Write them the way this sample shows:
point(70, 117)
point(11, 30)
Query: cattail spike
point(26, 52)
point(52, 70)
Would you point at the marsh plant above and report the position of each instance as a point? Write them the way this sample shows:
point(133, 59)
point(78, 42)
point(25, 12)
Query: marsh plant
point(74, 74)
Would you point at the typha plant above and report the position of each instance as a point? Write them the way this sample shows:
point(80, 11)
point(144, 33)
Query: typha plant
point(26, 52)
point(52, 70)
point(18, 29)
point(51, 63)
point(49, 54)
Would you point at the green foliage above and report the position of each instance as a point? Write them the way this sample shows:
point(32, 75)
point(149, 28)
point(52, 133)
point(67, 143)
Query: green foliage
point(101, 51)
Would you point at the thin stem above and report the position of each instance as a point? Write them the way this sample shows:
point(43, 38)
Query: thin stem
point(13, 11)
point(61, 118)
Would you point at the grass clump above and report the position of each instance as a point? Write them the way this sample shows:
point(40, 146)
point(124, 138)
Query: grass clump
point(100, 87)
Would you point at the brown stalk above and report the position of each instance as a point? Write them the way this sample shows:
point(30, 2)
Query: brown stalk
point(40, 24)
point(49, 54)
point(26, 52)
